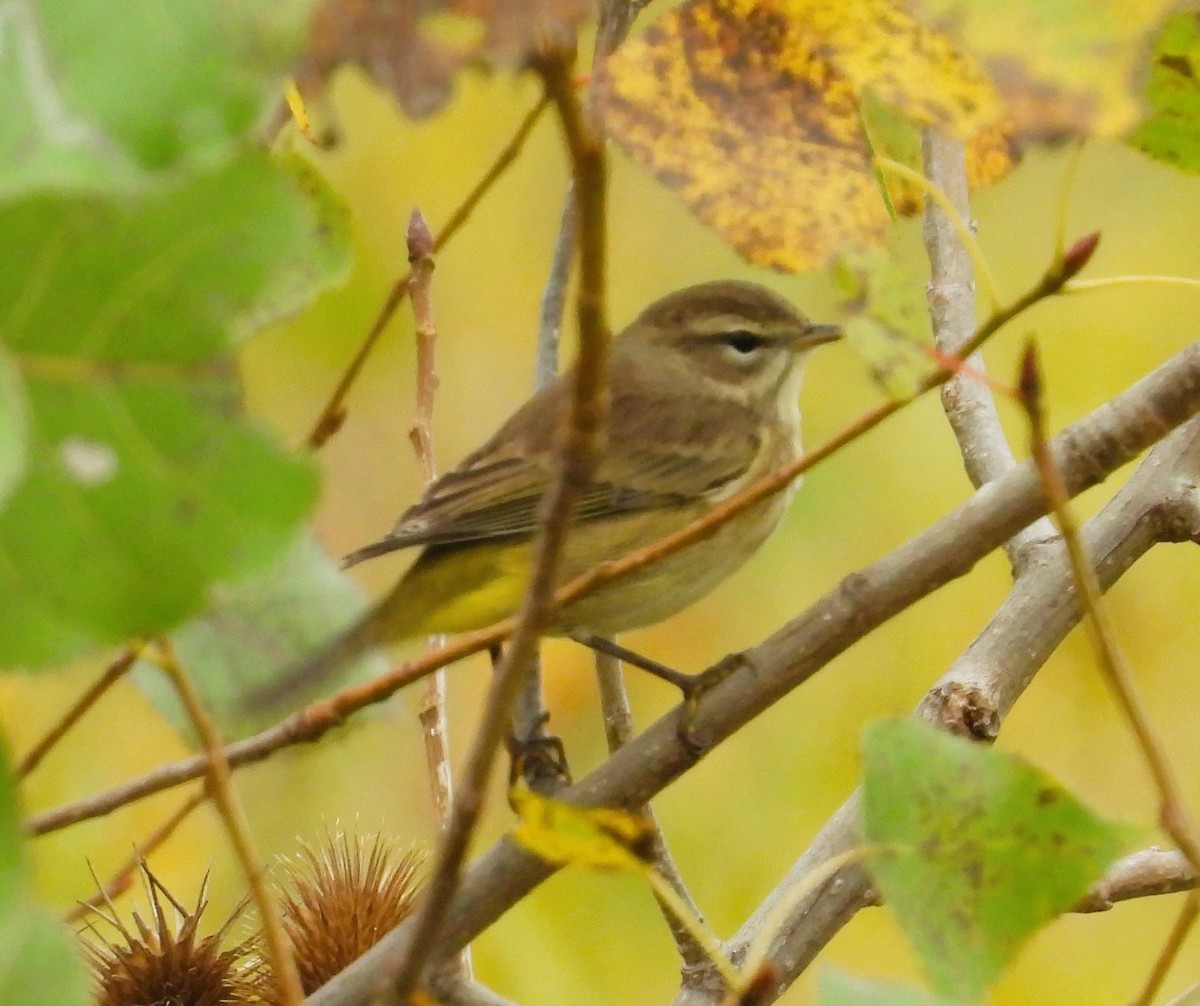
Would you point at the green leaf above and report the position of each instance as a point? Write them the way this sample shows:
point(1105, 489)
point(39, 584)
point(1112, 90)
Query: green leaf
point(895, 363)
point(838, 989)
point(12, 868)
point(39, 966)
point(99, 97)
point(978, 849)
point(163, 280)
point(14, 430)
point(889, 324)
point(39, 962)
point(1172, 131)
point(253, 630)
point(143, 483)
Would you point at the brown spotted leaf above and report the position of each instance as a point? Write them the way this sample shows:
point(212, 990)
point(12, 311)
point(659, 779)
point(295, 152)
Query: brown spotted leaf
point(752, 111)
point(975, 849)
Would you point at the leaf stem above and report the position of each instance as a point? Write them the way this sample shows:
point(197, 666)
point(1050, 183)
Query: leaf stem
point(90, 696)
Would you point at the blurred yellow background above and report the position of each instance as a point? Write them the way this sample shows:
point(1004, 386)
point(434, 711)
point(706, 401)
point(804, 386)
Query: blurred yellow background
point(740, 818)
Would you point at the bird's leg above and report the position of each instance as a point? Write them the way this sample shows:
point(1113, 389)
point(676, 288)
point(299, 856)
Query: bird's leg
point(686, 683)
point(693, 686)
point(539, 756)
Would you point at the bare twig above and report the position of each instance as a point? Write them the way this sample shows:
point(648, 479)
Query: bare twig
point(554, 297)
point(578, 457)
point(1173, 811)
point(91, 695)
point(615, 19)
point(967, 401)
point(220, 789)
point(618, 731)
point(119, 882)
point(1085, 453)
point(334, 413)
point(1187, 998)
point(420, 259)
point(431, 711)
point(1174, 815)
point(529, 714)
point(1170, 949)
point(1144, 874)
point(432, 708)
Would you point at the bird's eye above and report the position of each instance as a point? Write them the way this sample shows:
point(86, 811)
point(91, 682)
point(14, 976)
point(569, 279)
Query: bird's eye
point(742, 341)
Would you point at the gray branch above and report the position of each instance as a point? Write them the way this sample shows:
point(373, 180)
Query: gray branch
point(1144, 874)
point(967, 401)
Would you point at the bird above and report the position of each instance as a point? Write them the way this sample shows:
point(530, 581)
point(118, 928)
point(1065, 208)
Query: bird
point(704, 387)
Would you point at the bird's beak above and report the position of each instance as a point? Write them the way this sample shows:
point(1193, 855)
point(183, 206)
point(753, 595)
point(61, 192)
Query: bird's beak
point(818, 335)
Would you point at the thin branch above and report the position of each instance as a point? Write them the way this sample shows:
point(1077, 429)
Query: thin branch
point(420, 259)
point(119, 882)
point(615, 18)
point(614, 702)
point(220, 788)
point(1170, 949)
point(529, 714)
point(1085, 452)
point(1186, 998)
point(334, 413)
point(113, 673)
point(967, 401)
point(1173, 810)
point(1145, 874)
point(618, 731)
point(554, 297)
point(577, 460)
point(431, 710)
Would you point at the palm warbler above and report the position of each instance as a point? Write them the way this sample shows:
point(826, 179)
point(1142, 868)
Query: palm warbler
point(705, 387)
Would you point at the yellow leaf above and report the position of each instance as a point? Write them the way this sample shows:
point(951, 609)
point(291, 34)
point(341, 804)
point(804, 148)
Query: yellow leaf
point(599, 838)
point(751, 110)
point(880, 47)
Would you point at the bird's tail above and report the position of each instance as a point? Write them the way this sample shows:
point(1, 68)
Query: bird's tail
point(304, 674)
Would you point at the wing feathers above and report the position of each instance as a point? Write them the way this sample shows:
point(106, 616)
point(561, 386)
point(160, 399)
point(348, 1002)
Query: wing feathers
point(655, 458)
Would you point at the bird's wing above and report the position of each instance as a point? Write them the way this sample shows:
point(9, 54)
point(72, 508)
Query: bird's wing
point(497, 491)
